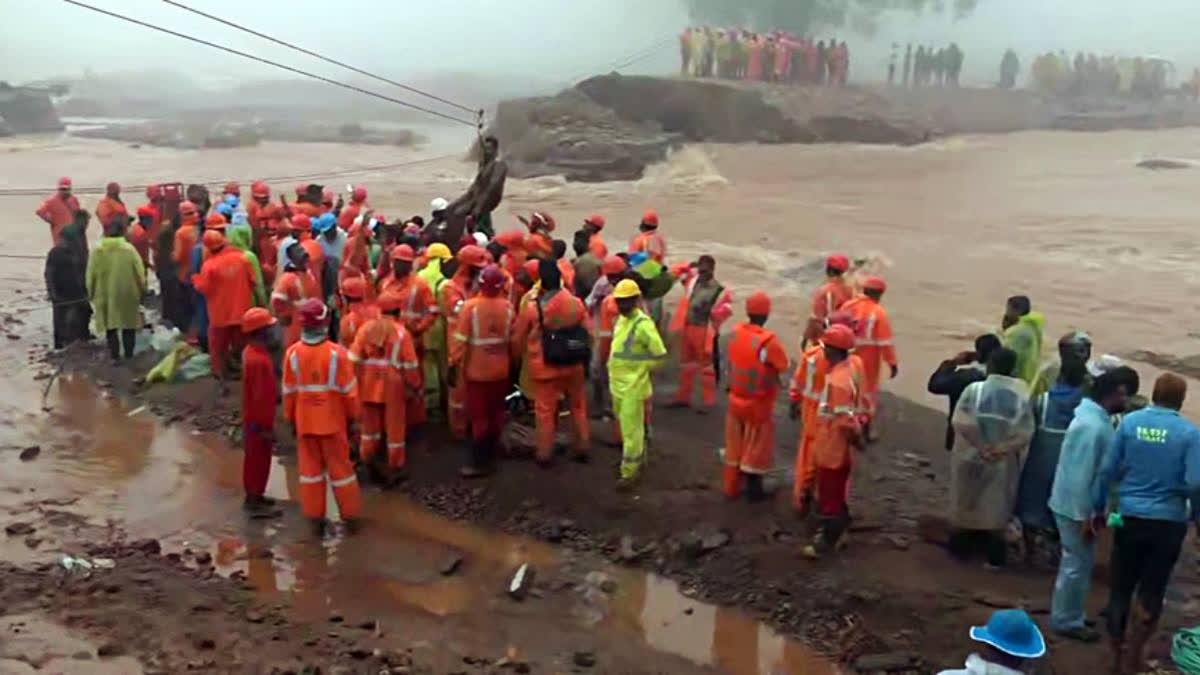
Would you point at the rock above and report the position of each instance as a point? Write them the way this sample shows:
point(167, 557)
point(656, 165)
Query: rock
point(148, 546)
point(33, 542)
point(31, 453)
point(1157, 164)
point(369, 625)
point(715, 540)
point(899, 541)
point(584, 659)
point(204, 558)
point(521, 582)
point(254, 616)
point(451, 564)
point(887, 662)
point(865, 596)
point(82, 655)
point(626, 550)
point(204, 644)
point(110, 649)
point(691, 545)
point(19, 529)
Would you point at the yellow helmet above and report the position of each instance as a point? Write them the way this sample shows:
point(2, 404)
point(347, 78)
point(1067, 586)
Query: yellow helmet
point(626, 288)
point(438, 250)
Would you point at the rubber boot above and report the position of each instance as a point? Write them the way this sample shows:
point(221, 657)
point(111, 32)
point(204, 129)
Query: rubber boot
point(754, 488)
point(824, 541)
point(481, 463)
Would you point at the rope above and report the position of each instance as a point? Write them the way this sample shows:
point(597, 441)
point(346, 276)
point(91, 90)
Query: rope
point(326, 59)
point(268, 62)
point(1185, 650)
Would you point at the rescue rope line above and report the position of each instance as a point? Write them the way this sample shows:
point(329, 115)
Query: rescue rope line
point(268, 62)
point(625, 61)
point(326, 59)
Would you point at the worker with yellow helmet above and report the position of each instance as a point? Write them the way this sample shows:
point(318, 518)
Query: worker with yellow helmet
point(433, 360)
point(637, 349)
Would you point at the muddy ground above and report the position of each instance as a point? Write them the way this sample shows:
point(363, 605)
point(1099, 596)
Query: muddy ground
point(889, 592)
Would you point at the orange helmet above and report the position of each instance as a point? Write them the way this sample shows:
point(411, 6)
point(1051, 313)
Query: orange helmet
point(650, 217)
point(301, 189)
point(758, 304)
point(359, 194)
point(354, 287)
point(595, 220)
point(614, 264)
point(404, 252)
point(301, 222)
point(472, 256)
point(837, 262)
point(313, 313)
point(511, 239)
point(259, 190)
point(256, 318)
point(874, 284)
point(215, 221)
point(213, 240)
point(838, 337)
point(391, 301)
point(327, 196)
point(843, 318)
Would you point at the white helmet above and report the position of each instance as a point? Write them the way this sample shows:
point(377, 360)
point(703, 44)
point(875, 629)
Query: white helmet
point(480, 238)
point(439, 204)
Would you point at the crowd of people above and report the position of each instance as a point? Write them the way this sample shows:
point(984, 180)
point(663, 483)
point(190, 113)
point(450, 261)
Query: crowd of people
point(1092, 75)
point(927, 66)
point(777, 56)
point(370, 329)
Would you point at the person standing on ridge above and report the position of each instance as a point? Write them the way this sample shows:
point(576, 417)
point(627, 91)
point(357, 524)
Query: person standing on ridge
point(66, 288)
point(260, 390)
point(58, 210)
point(320, 399)
point(873, 345)
point(705, 305)
point(1023, 334)
point(111, 206)
point(757, 361)
point(828, 298)
point(636, 350)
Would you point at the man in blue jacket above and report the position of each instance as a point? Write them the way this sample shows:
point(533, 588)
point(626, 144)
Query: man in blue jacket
point(1155, 464)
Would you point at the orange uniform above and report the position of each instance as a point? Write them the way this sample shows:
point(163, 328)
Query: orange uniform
point(567, 270)
point(479, 350)
point(697, 319)
point(316, 260)
point(354, 317)
point(539, 245)
point(757, 361)
point(651, 243)
point(874, 346)
point(226, 280)
point(319, 398)
point(185, 240)
point(558, 309)
point(836, 432)
point(140, 241)
point(388, 376)
point(452, 298)
point(291, 288)
point(58, 213)
point(109, 208)
point(417, 314)
point(826, 300)
point(805, 390)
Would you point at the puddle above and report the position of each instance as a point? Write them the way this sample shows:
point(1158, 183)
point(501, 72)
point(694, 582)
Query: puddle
point(184, 489)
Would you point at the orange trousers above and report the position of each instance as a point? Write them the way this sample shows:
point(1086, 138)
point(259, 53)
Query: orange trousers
point(457, 409)
point(805, 471)
point(223, 343)
point(547, 394)
point(322, 458)
point(378, 421)
point(695, 358)
point(749, 448)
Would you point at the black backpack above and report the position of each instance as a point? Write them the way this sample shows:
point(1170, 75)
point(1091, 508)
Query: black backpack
point(570, 346)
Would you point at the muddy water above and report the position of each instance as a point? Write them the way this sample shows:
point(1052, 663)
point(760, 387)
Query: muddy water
point(104, 464)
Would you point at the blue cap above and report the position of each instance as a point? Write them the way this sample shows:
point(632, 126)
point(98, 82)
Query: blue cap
point(324, 223)
point(1013, 632)
point(225, 209)
point(231, 200)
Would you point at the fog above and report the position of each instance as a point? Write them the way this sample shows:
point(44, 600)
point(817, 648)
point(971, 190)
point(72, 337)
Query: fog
point(524, 45)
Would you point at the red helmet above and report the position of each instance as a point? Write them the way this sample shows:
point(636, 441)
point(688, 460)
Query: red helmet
point(354, 287)
point(327, 196)
point(874, 284)
point(491, 280)
point(838, 337)
point(596, 220)
point(844, 318)
point(301, 222)
point(313, 313)
point(256, 318)
point(650, 217)
point(614, 264)
point(758, 304)
point(64, 183)
point(301, 189)
point(232, 188)
point(404, 252)
point(213, 240)
point(359, 194)
point(511, 239)
point(215, 221)
point(259, 190)
point(837, 262)
point(539, 220)
point(146, 211)
point(472, 256)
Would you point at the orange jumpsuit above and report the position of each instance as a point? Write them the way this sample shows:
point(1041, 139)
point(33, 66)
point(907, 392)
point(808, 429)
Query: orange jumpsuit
point(697, 320)
point(140, 241)
point(418, 314)
point(835, 433)
point(559, 309)
point(354, 317)
point(349, 212)
point(316, 260)
point(478, 348)
point(873, 345)
point(185, 240)
point(388, 376)
point(652, 243)
point(826, 300)
point(540, 245)
point(319, 398)
point(226, 280)
point(109, 208)
point(807, 384)
point(453, 297)
point(58, 213)
point(567, 271)
point(756, 362)
point(292, 288)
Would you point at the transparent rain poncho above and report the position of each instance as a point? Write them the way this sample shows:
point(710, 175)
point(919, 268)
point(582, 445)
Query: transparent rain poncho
point(994, 423)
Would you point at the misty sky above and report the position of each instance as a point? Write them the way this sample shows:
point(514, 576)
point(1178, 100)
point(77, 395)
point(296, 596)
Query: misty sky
point(544, 40)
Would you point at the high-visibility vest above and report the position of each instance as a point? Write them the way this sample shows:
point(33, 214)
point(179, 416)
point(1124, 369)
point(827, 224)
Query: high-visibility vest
point(749, 375)
point(490, 324)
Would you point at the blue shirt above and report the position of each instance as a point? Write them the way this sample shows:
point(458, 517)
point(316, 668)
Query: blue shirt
point(1084, 447)
point(1155, 461)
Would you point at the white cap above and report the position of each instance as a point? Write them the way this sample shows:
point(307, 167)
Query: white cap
point(480, 238)
point(439, 204)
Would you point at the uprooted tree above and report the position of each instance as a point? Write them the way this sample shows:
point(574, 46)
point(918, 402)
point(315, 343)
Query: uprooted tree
point(804, 16)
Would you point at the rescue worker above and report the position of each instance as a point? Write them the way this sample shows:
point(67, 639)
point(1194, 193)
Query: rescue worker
point(302, 231)
point(1023, 334)
point(587, 264)
point(606, 319)
point(176, 305)
point(479, 361)
point(320, 398)
point(116, 282)
point(565, 269)
point(828, 298)
point(266, 241)
point(554, 316)
point(648, 240)
point(110, 206)
point(452, 297)
point(538, 243)
point(227, 282)
point(705, 305)
point(757, 361)
point(332, 240)
point(357, 311)
point(260, 391)
point(637, 349)
point(874, 344)
point(592, 225)
point(186, 237)
point(66, 288)
point(241, 236)
point(418, 313)
point(836, 435)
point(433, 360)
point(154, 203)
point(356, 207)
point(256, 209)
point(138, 234)
point(385, 357)
point(231, 189)
point(292, 288)
point(58, 210)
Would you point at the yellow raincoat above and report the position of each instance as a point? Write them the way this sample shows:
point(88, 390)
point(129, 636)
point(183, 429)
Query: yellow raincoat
point(637, 349)
point(116, 282)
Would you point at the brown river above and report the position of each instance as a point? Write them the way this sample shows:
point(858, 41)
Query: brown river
point(955, 226)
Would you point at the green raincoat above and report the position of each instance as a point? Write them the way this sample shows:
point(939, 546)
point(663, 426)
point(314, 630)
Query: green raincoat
point(116, 281)
point(434, 360)
point(241, 237)
point(1025, 338)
